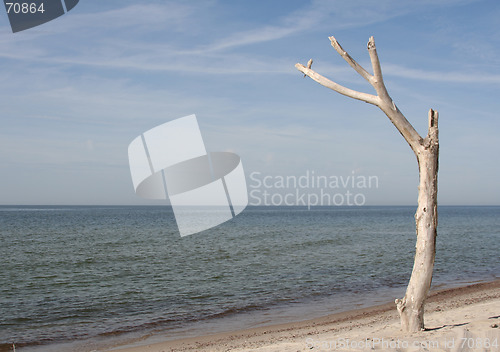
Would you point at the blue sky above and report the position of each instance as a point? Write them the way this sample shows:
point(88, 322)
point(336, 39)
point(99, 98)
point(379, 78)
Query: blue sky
point(77, 90)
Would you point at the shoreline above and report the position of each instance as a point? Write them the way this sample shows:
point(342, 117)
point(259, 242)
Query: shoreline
point(450, 313)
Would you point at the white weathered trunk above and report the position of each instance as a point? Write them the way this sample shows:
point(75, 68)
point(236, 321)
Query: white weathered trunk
point(411, 307)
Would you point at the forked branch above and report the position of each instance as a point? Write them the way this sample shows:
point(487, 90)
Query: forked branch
point(382, 99)
point(369, 98)
point(358, 68)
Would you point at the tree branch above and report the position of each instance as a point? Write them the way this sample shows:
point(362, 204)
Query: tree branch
point(378, 80)
point(382, 99)
point(369, 98)
point(357, 67)
point(432, 138)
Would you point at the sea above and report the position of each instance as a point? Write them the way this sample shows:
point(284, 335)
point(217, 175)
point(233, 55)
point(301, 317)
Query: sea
point(83, 278)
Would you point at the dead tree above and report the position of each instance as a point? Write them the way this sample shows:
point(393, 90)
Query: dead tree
point(411, 307)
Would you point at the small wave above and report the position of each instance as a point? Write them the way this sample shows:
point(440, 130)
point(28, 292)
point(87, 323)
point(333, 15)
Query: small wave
point(9, 347)
point(37, 209)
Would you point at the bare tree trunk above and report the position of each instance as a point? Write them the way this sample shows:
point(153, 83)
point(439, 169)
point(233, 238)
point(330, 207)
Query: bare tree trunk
point(411, 307)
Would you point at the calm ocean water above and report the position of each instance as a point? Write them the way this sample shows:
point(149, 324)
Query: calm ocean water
point(100, 274)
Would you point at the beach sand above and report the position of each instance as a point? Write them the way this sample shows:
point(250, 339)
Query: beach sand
point(458, 319)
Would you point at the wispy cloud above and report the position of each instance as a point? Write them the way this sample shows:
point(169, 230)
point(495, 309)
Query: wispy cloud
point(319, 14)
point(440, 76)
point(121, 38)
point(78, 89)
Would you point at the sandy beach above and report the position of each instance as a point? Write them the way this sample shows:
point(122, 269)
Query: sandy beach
point(458, 319)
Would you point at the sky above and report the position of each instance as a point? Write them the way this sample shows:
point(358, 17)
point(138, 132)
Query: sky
point(77, 90)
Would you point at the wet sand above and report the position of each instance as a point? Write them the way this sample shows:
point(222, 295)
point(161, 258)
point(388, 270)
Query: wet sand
point(458, 319)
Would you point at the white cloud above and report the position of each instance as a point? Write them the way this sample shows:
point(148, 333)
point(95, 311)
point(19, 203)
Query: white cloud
point(449, 77)
point(319, 14)
point(121, 38)
point(81, 87)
